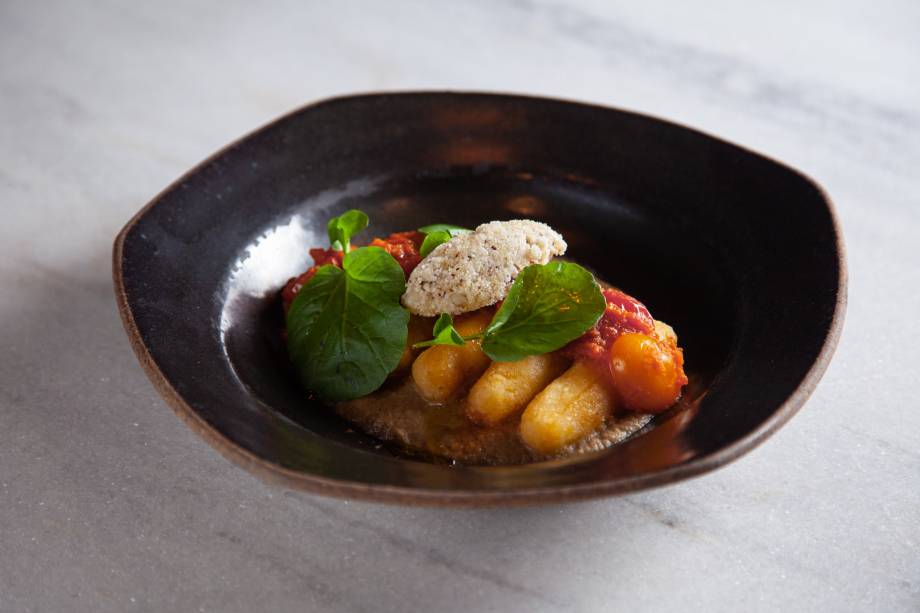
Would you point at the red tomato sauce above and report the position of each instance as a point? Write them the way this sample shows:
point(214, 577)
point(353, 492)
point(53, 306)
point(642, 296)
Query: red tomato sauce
point(623, 314)
point(404, 247)
point(321, 257)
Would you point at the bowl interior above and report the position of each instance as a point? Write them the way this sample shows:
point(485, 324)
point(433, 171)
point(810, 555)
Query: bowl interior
point(677, 274)
point(694, 227)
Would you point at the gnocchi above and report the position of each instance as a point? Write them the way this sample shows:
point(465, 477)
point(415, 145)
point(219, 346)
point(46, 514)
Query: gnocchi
point(568, 409)
point(506, 387)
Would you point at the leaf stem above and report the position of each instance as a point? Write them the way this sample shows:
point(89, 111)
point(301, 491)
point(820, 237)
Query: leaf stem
point(433, 341)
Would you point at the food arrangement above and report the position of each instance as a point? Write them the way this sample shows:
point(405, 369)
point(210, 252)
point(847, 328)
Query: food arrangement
point(476, 346)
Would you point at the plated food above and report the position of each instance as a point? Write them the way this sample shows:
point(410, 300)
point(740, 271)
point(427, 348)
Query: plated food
point(476, 346)
point(680, 219)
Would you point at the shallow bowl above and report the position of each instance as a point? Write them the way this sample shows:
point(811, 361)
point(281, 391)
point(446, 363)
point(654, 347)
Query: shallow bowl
point(740, 253)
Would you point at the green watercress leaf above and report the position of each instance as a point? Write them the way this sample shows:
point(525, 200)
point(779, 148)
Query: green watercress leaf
point(433, 240)
point(340, 229)
point(547, 307)
point(346, 329)
point(444, 333)
point(438, 234)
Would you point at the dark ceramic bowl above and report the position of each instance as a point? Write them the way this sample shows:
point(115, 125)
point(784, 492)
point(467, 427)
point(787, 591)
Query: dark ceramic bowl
point(741, 254)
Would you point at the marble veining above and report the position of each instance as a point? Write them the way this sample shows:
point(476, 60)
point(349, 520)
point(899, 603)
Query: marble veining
point(108, 503)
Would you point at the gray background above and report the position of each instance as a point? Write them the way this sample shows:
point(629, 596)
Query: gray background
point(107, 502)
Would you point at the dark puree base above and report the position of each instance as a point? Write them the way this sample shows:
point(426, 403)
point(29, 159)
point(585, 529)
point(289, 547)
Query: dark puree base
point(398, 415)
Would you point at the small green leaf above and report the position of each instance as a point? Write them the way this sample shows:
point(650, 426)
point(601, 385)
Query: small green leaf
point(444, 322)
point(547, 307)
point(432, 240)
point(346, 329)
point(444, 227)
point(438, 234)
point(340, 229)
point(444, 333)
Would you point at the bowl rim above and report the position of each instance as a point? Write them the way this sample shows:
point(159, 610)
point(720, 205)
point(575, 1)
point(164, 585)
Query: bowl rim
point(274, 473)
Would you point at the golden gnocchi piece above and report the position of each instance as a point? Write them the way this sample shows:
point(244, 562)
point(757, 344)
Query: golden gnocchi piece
point(441, 371)
point(437, 373)
point(506, 387)
point(567, 410)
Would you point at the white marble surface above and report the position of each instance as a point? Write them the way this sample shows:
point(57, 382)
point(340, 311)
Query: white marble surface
point(108, 503)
